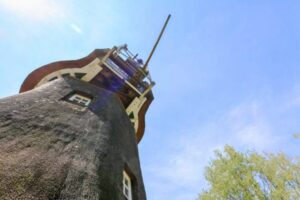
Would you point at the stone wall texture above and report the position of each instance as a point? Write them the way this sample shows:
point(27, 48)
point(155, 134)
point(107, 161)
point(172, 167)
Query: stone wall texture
point(53, 149)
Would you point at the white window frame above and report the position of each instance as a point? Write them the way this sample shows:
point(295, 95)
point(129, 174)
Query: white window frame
point(79, 99)
point(127, 186)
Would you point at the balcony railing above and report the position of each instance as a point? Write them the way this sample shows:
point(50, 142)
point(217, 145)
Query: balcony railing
point(128, 68)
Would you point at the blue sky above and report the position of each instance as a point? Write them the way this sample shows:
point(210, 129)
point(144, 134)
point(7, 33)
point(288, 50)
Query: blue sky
point(226, 72)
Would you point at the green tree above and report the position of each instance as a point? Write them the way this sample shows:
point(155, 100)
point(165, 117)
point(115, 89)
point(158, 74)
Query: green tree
point(245, 176)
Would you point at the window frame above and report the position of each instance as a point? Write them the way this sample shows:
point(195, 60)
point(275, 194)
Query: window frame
point(80, 99)
point(127, 186)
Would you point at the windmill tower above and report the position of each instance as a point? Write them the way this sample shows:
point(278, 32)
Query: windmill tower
point(73, 130)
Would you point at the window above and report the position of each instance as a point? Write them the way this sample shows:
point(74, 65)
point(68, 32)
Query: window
point(79, 99)
point(127, 186)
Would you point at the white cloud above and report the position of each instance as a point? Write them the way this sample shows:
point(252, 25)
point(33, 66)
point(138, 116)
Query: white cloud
point(293, 103)
point(185, 163)
point(181, 164)
point(180, 170)
point(250, 127)
point(36, 10)
point(76, 28)
point(291, 99)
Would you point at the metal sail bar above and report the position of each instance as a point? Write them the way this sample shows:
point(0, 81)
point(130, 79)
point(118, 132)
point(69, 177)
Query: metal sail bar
point(156, 43)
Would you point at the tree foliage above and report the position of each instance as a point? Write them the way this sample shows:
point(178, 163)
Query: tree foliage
point(236, 176)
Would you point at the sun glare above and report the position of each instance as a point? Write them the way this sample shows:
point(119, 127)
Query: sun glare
point(39, 10)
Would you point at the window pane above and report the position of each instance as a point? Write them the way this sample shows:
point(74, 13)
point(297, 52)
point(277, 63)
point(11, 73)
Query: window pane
point(127, 186)
point(126, 181)
point(79, 99)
